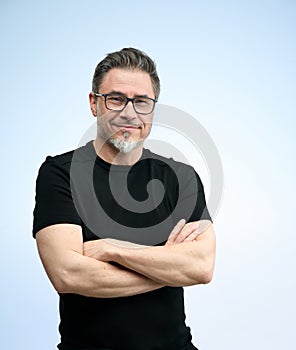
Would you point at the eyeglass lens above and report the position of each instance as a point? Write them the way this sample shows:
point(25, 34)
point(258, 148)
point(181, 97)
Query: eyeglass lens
point(141, 104)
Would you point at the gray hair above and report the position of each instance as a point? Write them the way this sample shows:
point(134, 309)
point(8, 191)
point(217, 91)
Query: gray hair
point(127, 58)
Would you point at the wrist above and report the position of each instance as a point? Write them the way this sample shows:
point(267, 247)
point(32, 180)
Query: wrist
point(113, 249)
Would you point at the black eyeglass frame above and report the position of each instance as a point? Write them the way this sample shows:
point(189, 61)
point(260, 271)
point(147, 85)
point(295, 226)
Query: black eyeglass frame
point(127, 101)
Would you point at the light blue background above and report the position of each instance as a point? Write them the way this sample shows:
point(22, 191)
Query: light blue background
point(231, 64)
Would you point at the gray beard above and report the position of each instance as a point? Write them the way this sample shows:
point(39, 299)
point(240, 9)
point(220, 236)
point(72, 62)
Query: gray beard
point(125, 146)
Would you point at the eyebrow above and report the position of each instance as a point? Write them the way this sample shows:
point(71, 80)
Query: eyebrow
point(115, 92)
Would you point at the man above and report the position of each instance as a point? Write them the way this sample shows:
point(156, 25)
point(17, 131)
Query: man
point(115, 294)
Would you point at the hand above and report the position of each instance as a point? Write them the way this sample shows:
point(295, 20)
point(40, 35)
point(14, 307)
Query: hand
point(183, 232)
point(102, 249)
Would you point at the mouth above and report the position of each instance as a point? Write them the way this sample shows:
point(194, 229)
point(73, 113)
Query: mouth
point(127, 127)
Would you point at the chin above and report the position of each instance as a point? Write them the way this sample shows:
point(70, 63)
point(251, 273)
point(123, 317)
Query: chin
point(125, 146)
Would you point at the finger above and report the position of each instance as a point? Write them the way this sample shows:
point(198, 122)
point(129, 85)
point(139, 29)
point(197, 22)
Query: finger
point(191, 237)
point(179, 226)
point(187, 230)
point(168, 243)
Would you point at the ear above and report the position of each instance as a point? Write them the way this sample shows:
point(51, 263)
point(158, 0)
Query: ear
point(93, 104)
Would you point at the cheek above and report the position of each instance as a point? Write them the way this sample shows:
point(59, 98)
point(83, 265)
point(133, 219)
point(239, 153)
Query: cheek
point(147, 128)
point(102, 122)
point(101, 109)
point(147, 123)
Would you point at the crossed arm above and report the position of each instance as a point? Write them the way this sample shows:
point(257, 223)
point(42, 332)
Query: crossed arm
point(88, 269)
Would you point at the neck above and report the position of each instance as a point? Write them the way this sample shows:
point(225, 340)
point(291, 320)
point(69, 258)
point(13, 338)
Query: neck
point(112, 155)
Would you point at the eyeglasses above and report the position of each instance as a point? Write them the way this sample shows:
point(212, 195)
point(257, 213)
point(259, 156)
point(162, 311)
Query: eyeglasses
point(118, 102)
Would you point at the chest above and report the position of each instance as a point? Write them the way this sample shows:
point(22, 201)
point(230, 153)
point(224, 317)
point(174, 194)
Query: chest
point(134, 206)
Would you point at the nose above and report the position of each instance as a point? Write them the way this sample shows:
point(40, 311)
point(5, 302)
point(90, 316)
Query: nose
point(129, 112)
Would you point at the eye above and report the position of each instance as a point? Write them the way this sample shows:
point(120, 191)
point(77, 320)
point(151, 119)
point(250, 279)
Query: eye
point(117, 99)
point(142, 101)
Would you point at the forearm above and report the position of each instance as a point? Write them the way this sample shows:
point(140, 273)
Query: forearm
point(175, 264)
point(166, 265)
point(89, 277)
point(61, 250)
point(183, 264)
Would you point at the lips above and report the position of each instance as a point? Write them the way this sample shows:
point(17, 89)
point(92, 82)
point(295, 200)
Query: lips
point(127, 126)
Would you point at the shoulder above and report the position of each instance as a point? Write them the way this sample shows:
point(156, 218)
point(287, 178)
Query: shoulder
point(55, 166)
point(165, 163)
point(175, 170)
point(62, 162)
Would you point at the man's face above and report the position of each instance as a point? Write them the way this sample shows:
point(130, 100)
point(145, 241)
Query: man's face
point(126, 125)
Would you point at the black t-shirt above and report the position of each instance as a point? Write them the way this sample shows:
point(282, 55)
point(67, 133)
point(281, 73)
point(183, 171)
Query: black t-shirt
point(139, 203)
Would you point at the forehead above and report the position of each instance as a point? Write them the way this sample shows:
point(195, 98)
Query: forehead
point(128, 82)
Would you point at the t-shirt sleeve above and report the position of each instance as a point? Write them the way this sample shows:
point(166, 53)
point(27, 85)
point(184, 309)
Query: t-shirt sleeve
point(53, 199)
point(192, 203)
point(200, 211)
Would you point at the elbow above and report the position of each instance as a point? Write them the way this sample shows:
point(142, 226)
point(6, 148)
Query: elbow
point(62, 282)
point(61, 288)
point(192, 277)
point(204, 275)
point(207, 269)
